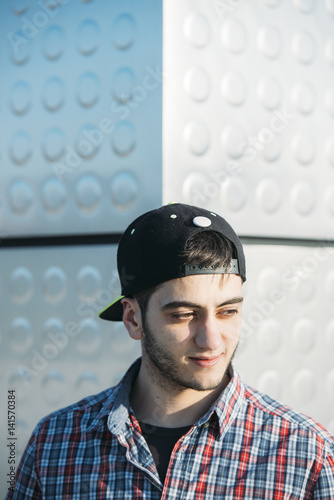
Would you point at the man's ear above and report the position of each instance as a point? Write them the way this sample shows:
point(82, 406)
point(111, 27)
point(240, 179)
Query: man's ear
point(132, 318)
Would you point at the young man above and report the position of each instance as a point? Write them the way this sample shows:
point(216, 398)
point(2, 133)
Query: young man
point(180, 424)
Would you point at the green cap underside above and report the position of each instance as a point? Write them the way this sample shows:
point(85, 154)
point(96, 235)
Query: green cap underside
point(111, 304)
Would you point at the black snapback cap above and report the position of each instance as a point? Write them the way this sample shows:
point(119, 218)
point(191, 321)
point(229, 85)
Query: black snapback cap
point(149, 250)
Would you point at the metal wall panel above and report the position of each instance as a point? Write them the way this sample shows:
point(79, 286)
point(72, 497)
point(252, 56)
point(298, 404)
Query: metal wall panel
point(54, 348)
point(287, 338)
point(248, 113)
point(81, 91)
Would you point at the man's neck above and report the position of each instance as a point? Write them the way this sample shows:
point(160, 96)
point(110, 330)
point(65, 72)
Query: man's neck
point(170, 407)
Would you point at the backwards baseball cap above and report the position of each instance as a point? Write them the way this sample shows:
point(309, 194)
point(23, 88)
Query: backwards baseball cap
point(149, 252)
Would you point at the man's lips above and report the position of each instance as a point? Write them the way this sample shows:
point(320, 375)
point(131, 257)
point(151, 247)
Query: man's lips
point(205, 361)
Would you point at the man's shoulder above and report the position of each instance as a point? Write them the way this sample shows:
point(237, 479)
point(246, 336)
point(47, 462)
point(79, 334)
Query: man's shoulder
point(280, 412)
point(84, 411)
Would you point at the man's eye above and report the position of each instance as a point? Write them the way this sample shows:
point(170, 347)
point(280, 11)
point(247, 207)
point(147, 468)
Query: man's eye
point(229, 312)
point(188, 315)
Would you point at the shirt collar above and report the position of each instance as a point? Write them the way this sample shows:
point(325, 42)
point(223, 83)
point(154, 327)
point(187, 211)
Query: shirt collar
point(228, 404)
point(117, 405)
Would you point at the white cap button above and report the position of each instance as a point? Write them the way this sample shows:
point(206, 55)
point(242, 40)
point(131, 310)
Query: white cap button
point(202, 221)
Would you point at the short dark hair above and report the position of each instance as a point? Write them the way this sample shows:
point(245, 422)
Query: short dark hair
point(205, 249)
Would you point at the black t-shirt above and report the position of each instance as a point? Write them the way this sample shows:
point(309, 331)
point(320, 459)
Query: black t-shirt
point(161, 441)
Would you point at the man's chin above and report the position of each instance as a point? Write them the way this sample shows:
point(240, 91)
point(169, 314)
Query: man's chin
point(201, 385)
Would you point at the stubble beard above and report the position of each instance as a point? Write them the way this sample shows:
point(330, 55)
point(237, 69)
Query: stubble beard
point(161, 366)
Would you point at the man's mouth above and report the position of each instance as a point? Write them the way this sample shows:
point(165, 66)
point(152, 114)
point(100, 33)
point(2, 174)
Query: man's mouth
point(205, 361)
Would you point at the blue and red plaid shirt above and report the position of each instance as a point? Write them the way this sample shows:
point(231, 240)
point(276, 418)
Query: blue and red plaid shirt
point(246, 446)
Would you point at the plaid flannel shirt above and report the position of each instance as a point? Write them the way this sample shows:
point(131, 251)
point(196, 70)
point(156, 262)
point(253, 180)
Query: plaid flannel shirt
point(246, 446)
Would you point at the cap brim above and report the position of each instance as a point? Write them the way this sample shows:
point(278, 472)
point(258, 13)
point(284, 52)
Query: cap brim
point(114, 311)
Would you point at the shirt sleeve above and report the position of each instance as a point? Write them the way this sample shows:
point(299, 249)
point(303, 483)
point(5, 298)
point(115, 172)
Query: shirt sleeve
point(324, 488)
point(27, 484)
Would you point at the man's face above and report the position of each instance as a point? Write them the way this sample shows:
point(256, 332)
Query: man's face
point(191, 330)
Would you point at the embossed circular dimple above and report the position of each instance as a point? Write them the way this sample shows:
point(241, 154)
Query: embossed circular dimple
point(269, 92)
point(123, 31)
point(21, 197)
point(329, 148)
point(123, 138)
point(234, 194)
point(197, 137)
point(200, 221)
point(21, 285)
point(20, 380)
point(88, 88)
point(303, 47)
point(88, 283)
point(234, 89)
point(329, 100)
point(88, 34)
point(329, 285)
point(86, 384)
point(53, 196)
point(303, 386)
point(20, 337)
point(124, 190)
point(197, 30)
point(270, 383)
point(20, 48)
point(329, 335)
point(304, 5)
point(20, 97)
point(20, 147)
point(19, 7)
point(88, 140)
point(329, 199)
point(53, 42)
point(54, 331)
point(88, 193)
point(303, 335)
point(232, 139)
point(269, 195)
point(303, 197)
point(197, 84)
point(269, 41)
point(234, 35)
point(329, 50)
point(330, 6)
point(89, 341)
point(53, 93)
point(122, 84)
point(270, 336)
point(53, 144)
point(193, 188)
point(303, 148)
point(272, 151)
point(53, 387)
point(303, 97)
point(54, 284)
point(269, 279)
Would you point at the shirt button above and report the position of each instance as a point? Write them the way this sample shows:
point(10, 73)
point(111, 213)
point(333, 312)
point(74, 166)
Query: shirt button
point(206, 425)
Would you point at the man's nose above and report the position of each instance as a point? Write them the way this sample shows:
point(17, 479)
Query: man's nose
point(208, 334)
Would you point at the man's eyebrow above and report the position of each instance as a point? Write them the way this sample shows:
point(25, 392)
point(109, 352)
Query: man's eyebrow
point(183, 303)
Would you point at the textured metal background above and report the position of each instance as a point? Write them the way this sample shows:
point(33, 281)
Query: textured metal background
point(248, 113)
point(245, 107)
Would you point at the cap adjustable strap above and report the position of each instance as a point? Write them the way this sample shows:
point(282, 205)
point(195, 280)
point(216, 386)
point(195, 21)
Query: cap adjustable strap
point(232, 268)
